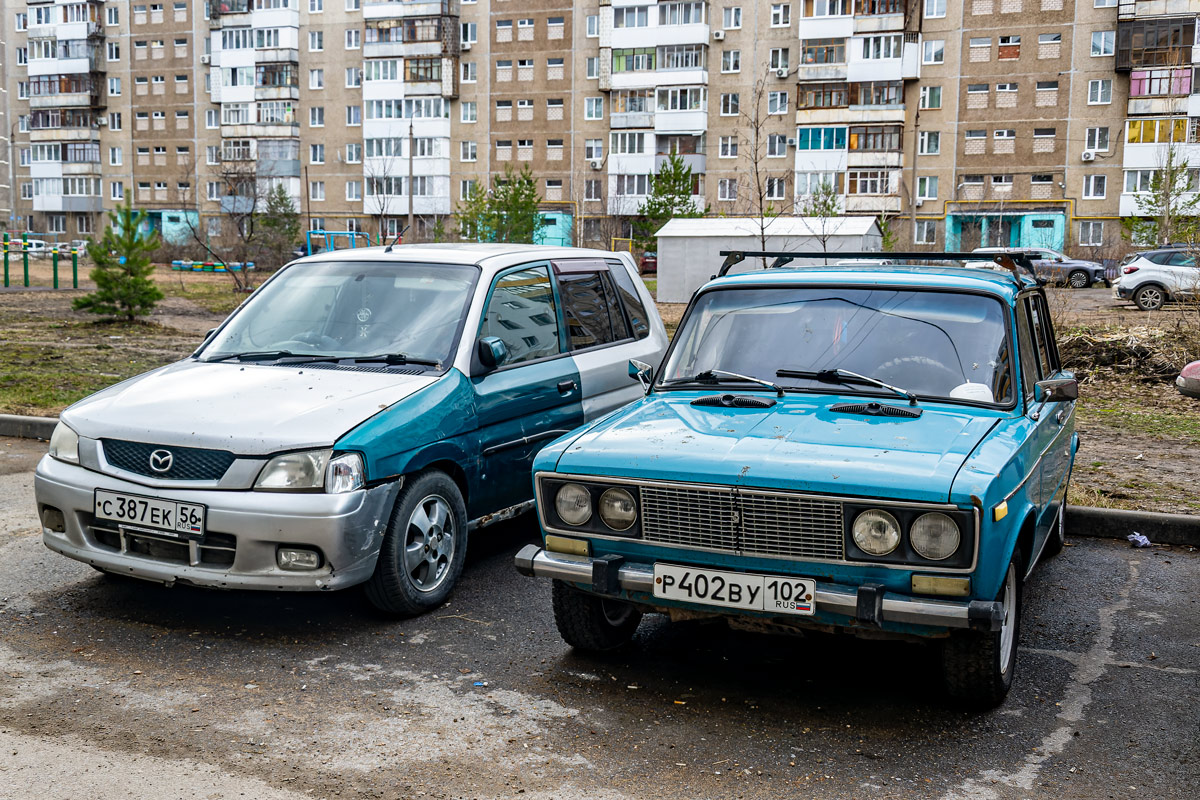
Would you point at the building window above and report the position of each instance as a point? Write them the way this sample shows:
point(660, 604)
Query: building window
point(591, 189)
point(935, 9)
point(114, 87)
point(868, 181)
point(316, 6)
point(592, 67)
point(1004, 133)
point(593, 149)
point(779, 58)
point(354, 190)
point(353, 77)
point(1104, 43)
point(316, 117)
point(1099, 92)
point(729, 104)
point(113, 50)
point(929, 143)
point(316, 190)
point(593, 108)
point(353, 116)
point(781, 15)
point(468, 111)
point(1091, 232)
point(821, 139)
point(1009, 48)
point(465, 188)
point(114, 156)
point(925, 232)
point(354, 152)
point(1094, 187)
point(468, 151)
point(931, 97)
point(353, 38)
point(933, 52)
point(888, 46)
point(114, 121)
point(776, 188)
point(631, 17)
point(927, 186)
point(823, 51)
point(1097, 139)
point(316, 154)
point(810, 183)
point(316, 41)
point(728, 147)
point(316, 79)
point(731, 61)
point(777, 102)
point(732, 17)
point(727, 189)
point(593, 26)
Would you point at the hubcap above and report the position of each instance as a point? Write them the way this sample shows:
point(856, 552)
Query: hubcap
point(429, 544)
point(1151, 298)
point(1078, 280)
point(1009, 626)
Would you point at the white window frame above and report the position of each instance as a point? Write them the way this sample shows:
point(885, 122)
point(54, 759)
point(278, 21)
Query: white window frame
point(1092, 139)
point(593, 108)
point(781, 15)
point(1097, 89)
point(1090, 184)
point(933, 52)
point(929, 143)
point(1107, 42)
point(935, 9)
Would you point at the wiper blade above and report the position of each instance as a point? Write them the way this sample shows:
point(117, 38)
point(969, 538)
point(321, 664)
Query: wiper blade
point(715, 376)
point(268, 355)
point(395, 358)
point(846, 376)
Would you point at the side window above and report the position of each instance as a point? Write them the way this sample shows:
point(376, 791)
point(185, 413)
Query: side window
point(1026, 345)
point(634, 309)
point(591, 309)
point(1180, 260)
point(1041, 325)
point(521, 313)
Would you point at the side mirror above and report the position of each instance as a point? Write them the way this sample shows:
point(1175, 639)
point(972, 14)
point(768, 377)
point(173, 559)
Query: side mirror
point(1056, 390)
point(641, 372)
point(493, 352)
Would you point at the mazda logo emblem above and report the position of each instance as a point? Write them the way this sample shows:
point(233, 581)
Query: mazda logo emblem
point(161, 460)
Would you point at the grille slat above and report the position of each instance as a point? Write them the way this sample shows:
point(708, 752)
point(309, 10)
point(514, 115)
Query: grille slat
point(749, 522)
point(187, 463)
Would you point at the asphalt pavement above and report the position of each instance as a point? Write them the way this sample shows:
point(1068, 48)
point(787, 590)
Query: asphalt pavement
point(116, 688)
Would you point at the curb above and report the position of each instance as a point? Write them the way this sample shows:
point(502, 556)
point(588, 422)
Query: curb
point(1082, 521)
point(1112, 523)
point(27, 427)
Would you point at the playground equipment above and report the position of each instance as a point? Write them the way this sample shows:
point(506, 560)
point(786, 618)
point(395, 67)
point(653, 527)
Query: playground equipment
point(211, 266)
point(14, 246)
point(332, 239)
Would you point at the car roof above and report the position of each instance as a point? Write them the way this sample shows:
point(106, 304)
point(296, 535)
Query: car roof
point(488, 256)
point(995, 282)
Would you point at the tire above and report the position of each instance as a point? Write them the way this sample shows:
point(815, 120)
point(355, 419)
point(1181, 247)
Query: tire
point(978, 666)
point(591, 623)
point(1078, 279)
point(1149, 297)
point(424, 548)
point(1057, 538)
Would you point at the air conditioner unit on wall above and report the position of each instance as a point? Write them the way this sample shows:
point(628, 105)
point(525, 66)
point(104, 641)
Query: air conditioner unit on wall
point(791, 141)
point(718, 35)
point(782, 72)
point(465, 46)
point(1088, 155)
point(920, 202)
point(597, 164)
point(205, 59)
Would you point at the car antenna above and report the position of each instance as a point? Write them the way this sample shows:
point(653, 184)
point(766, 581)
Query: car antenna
point(399, 238)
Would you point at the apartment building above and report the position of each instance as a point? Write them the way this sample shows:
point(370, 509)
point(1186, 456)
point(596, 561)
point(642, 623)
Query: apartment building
point(962, 122)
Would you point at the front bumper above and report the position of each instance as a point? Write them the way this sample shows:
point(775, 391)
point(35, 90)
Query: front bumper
point(864, 606)
point(249, 526)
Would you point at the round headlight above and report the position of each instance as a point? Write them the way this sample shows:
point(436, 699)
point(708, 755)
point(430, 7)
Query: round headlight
point(573, 504)
point(934, 536)
point(876, 532)
point(617, 509)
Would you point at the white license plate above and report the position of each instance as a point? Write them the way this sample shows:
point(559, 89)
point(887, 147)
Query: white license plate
point(772, 593)
point(181, 520)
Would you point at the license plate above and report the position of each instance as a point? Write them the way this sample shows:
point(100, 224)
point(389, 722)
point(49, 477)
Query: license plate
point(772, 593)
point(181, 520)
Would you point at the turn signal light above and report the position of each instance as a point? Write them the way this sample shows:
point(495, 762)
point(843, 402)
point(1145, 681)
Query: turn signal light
point(1129, 270)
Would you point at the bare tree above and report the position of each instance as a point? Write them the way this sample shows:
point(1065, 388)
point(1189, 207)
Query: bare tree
point(379, 180)
point(241, 199)
point(766, 196)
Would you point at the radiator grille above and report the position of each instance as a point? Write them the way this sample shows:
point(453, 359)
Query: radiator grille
point(187, 463)
point(750, 522)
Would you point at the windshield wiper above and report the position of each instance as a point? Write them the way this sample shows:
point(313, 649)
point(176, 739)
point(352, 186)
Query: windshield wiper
point(715, 375)
point(845, 376)
point(270, 355)
point(395, 358)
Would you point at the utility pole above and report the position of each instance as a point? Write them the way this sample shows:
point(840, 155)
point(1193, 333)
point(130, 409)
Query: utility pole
point(411, 142)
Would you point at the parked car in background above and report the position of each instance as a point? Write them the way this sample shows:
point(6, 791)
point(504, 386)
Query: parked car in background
point(350, 421)
point(881, 451)
point(1054, 267)
point(1152, 277)
point(37, 248)
point(648, 264)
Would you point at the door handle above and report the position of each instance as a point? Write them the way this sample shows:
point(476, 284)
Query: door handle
point(1061, 416)
point(565, 387)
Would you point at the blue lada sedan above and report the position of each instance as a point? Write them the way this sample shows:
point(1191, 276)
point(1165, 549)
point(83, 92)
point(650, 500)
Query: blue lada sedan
point(880, 449)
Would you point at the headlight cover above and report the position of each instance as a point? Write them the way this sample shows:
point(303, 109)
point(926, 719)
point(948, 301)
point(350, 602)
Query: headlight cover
point(876, 532)
point(345, 473)
point(934, 536)
point(304, 471)
point(573, 504)
point(618, 509)
point(64, 444)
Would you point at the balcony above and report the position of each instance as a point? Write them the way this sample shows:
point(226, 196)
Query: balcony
point(390, 9)
point(696, 162)
point(1150, 43)
point(637, 119)
point(821, 72)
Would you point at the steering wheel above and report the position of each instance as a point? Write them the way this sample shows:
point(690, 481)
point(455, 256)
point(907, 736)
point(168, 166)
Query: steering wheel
point(311, 339)
point(921, 371)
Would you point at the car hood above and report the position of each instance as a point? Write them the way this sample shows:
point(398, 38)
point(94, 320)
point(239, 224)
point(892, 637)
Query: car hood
point(797, 445)
point(249, 409)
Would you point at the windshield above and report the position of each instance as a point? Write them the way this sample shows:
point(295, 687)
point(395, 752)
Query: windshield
point(934, 344)
point(348, 309)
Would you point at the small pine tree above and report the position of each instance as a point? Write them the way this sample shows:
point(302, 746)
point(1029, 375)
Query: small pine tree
point(278, 230)
point(670, 197)
point(474, 215)
point(123, 268)
point(514, 206)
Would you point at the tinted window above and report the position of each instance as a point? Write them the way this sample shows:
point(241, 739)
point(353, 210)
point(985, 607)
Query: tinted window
point(1181, 260)
point(1025, 342)
point(1040, 327)
point(521, 312)
point(634, 309)
point(591, 309)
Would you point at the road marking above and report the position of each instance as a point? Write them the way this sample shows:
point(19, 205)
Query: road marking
point(1090, 665)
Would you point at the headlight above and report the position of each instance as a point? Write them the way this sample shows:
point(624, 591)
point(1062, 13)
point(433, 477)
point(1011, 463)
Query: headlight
point(344, 473)
point(294, 471)
point(876, 532)
point(934, 536)
point(617, 509)
point(64, 444)
point(573, 504)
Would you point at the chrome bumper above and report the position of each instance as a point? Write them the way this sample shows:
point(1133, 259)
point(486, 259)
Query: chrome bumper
point(347, 528)
point(863, 605)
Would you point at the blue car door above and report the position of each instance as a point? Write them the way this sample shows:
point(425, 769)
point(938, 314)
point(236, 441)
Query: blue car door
point(531, 398)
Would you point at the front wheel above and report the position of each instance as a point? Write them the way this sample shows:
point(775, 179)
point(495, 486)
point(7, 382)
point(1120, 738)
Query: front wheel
point(1056, 539)
point(978, 666)
point(1149, 298)
point(596, 624)
point(1078, 279)
point(423, 549)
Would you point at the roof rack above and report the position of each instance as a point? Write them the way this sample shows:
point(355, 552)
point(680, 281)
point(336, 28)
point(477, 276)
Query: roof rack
point(1017, 259)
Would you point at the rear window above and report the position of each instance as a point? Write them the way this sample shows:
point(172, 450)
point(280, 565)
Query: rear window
point(591, 309)
point(638, 321)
